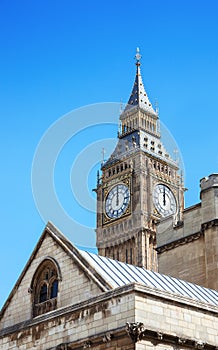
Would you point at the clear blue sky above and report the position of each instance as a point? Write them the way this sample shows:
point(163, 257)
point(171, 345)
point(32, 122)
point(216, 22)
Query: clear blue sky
point(60, 55)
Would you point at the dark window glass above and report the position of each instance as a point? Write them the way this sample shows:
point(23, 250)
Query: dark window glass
point(54, 289)
point(43, 293)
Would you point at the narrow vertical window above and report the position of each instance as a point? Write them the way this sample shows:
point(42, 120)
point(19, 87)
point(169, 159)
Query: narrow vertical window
point(118, 255)
point(43, 293)
point(54, 289)
point(130, 255)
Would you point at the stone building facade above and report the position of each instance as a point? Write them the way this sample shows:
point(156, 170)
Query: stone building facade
point(149, 286)
point(192, 246)
point(98, 309)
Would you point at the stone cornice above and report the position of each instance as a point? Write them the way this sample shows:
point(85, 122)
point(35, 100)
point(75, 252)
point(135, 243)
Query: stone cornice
point(189, 238)
point(138, 332)
point(64, 311)
point(93, 341)
point(209, 224)
point(175, 298)
point(179, 242)
point(106, 297)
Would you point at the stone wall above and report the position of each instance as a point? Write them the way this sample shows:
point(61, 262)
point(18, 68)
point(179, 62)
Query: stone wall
point(99, 320)
point(211, 255)
point(189, 250)
point(186, 261)
point(155, 319)
point(73, 287)
point(188, 321)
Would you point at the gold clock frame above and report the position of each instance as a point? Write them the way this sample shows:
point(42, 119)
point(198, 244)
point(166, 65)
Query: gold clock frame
point(106, 188)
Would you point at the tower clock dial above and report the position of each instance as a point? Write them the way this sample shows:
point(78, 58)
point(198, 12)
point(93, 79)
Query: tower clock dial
point(117, 201)
point(164, 200)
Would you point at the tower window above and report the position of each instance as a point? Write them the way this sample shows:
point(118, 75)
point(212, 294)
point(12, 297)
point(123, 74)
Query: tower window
point(130, 255)
point(118, 255)
point(44, 287)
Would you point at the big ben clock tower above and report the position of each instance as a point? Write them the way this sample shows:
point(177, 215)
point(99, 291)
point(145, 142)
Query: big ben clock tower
point(139, 185)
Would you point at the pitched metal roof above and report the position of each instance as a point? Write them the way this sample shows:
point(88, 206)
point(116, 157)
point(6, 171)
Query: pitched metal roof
point(118, 274)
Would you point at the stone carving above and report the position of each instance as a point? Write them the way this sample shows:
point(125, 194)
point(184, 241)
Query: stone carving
point(87, 344)
point(107, 337)
point(159, 335)
point(135, 330)
point(181, 341)
point(62, 347)
point(199, 345)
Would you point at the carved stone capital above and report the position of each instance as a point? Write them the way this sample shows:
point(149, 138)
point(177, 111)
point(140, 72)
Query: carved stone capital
point(135, 330)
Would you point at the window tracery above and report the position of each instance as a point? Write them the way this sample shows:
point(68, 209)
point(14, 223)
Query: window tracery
point(44, 287)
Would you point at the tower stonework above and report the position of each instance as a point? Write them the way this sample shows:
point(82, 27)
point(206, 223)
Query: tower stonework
point(139, 185)
point(190, 251)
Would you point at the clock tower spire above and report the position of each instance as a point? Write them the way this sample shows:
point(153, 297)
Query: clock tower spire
point(138, 96)
point(139, 185)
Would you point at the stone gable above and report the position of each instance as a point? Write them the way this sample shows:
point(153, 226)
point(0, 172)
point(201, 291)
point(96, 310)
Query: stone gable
point(75, 284)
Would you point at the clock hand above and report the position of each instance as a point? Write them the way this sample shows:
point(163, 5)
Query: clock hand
point(117, 198)
point(164, 197)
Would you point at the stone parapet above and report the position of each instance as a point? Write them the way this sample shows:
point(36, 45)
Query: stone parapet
point(209, 182)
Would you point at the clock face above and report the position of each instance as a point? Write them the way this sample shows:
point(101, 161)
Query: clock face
point(164, 200)
point(117, 201)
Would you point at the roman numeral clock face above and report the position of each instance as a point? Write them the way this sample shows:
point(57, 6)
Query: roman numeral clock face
point(164, 200)
point(117, 201)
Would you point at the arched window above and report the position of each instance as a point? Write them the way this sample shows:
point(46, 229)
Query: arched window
point(44, 287)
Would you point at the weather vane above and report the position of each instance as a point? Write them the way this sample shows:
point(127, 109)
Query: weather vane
point(138, 55)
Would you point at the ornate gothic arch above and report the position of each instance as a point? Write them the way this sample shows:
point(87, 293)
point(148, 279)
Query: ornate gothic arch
point(44, 286)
